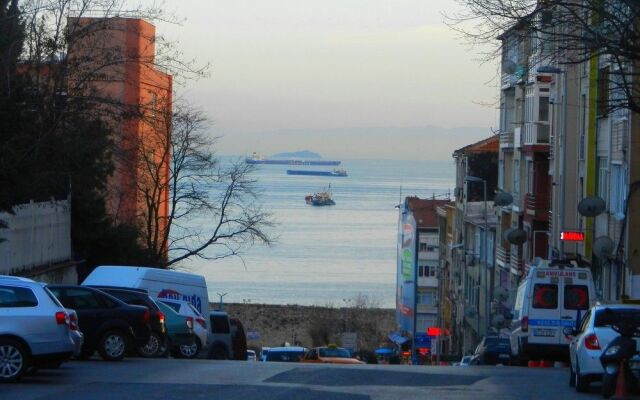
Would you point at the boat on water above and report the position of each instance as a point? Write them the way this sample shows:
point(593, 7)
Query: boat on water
point(320, 198)
point(257, 159)
point(335, 172)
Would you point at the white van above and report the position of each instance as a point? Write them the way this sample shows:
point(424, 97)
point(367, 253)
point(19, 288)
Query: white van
point(160, 283)
point(552, 296)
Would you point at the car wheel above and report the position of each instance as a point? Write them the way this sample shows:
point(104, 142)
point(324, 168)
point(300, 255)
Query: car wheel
point(112, 346)
point(153, 346)
point(14, 360)
point(581, 382)
point(218, 353)
point(190, 351)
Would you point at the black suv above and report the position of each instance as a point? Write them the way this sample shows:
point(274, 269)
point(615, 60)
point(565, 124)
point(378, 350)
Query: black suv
point(157, 344)
point(492, 350)
point(109, 325)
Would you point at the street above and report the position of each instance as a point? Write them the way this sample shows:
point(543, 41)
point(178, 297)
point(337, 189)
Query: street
point(194, 379)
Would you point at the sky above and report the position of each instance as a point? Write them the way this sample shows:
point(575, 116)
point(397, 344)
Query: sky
point(344, 78)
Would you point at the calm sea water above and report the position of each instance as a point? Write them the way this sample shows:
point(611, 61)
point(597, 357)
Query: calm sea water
point(327, 255)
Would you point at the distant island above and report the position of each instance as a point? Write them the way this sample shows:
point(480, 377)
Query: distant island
point(297, 154)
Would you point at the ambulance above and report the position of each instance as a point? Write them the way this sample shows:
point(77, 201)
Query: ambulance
point(553, 295)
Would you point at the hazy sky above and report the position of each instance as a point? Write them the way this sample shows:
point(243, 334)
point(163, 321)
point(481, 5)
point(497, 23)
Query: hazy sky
point(308, 74)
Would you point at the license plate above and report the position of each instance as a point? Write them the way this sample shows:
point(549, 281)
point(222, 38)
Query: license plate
point(503, 356)
point(544, 332)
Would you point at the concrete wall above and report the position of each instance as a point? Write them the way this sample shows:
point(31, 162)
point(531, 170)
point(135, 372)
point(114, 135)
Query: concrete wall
point(38, 234)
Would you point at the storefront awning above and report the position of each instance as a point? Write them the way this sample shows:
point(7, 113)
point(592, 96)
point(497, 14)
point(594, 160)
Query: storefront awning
point(397, 338)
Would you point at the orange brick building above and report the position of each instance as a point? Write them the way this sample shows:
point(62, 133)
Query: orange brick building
point(114, 62)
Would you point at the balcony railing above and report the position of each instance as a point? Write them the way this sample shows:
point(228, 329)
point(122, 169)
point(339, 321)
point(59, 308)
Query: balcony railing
point(535, 133)
point(503, 255)
point(506, 140)
point(537, 205)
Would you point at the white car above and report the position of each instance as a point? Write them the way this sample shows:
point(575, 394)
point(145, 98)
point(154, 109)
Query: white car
point(251, 355)
point(588, 342)
point(36, 331)
point(199, 325)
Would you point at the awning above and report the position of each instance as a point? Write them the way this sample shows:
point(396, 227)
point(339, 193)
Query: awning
point(383, 351)
point(397, 338)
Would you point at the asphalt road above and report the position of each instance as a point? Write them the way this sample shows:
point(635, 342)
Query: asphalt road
point(142, 379)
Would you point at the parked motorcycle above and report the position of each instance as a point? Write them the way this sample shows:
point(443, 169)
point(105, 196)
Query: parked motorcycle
point(621, 355)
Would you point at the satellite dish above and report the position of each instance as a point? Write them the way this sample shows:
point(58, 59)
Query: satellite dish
point(603, 247)
point(503, 199)
point(516, 236)
point(591, 206)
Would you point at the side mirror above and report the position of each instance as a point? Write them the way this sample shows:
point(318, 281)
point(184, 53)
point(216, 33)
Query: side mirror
point(569, 331)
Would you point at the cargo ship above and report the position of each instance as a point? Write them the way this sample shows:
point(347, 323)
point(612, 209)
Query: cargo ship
point(257, 159)
point(320, 198)
point(335, 172)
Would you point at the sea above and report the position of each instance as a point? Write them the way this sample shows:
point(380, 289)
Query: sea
point(333, 255)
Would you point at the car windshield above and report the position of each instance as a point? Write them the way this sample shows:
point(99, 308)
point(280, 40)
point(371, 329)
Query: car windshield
point(608, 316)
point(334, 352)
point(284, 356)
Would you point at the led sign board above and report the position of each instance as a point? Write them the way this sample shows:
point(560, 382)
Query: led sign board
point(572, 236)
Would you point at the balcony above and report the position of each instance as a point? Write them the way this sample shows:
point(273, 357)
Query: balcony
point(506, 140)
point(517, 265)
point(537, 206)
point(503, 256)
point(536, 133)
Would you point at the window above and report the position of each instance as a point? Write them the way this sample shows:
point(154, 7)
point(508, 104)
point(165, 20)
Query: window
point(603, 92)
point(80, 299)
point(545, 296)
point(11, 296)
point(427, 298)
point(423, 247)
point(576, 297)
point(603, 178)
point(424, 321)
point(543, 110)
point(585, 321)
point(530, 177)
point(219, 324)
point(516, 176)
point(174, 306)
point(618, 191)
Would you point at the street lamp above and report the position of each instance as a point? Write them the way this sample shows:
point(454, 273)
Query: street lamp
point(467, 179)
point(549, 69)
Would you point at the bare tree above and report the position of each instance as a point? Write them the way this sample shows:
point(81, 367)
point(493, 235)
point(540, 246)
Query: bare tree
point(571, 31)
point(196, 204)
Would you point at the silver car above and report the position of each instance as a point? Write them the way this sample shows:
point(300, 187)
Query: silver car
point(36, 331)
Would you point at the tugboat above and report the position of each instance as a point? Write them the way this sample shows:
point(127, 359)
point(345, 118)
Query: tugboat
point(320, 198)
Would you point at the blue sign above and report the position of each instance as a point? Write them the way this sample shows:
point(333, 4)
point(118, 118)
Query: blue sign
point(552, 322)
point(423, 341)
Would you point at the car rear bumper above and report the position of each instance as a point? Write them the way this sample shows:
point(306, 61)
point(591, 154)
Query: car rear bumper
point(50, 359)
point(552, 352)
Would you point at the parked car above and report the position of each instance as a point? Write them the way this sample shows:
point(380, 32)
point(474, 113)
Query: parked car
point(139, 297)
point(549, 298)
point(286, 354)
point(200, 324)
point(589, 340)
point(36, 330)
point(492, 350)
point(110, 325)
point(251, 355)
point(329, 354)
point(180, 336)
point(263, 353)
point(160, 283)
point(464, 362)
point(221, 347)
